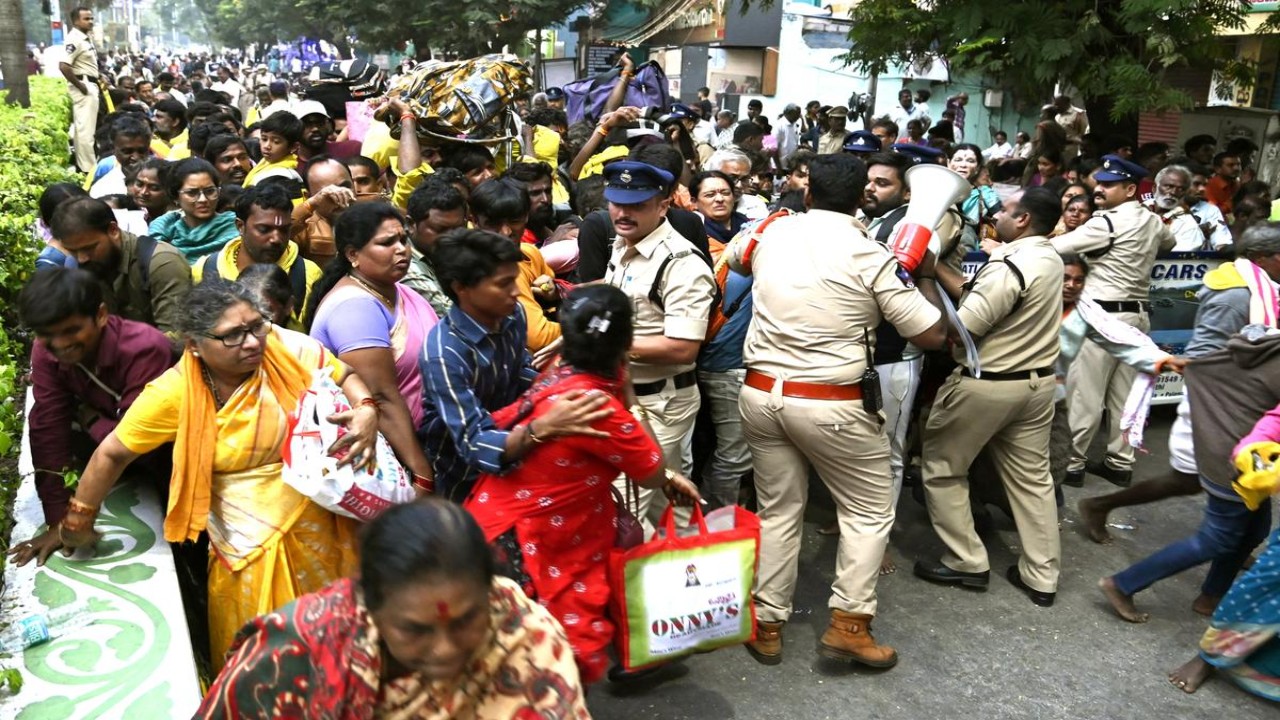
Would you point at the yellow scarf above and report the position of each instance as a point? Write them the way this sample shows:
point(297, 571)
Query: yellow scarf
point(191, 483)
point(1224, 277)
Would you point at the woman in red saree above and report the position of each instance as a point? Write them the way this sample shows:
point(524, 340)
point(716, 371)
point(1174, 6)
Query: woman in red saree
point(554, 518)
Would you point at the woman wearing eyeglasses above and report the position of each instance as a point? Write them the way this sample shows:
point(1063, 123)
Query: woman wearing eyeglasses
point(224, 406)
point(196, 228)
point(714, 196)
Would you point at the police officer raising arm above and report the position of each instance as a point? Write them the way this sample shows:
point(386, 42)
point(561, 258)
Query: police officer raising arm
point(1121, 241)
point(1013, 308)
point(821, 287)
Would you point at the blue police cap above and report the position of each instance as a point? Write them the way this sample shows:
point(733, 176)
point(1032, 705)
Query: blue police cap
point(919, 154)
point(862, 141)
point(555, 93)
point(1117, 169)
point(629, 182)
point(678, 111)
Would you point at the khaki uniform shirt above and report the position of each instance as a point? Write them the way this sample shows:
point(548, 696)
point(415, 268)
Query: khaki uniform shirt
point(830, 143)
point(687, 290)
point(1124, 272)
point(820, 284)
point(81, 55)
point(1024, 337)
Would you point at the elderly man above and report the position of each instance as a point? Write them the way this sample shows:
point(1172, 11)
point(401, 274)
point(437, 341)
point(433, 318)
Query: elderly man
point(1169, 201)
point(737, 166)
point(787, 135)
point(329, 192)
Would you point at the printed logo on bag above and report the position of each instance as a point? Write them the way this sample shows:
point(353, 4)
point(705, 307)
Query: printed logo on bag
point(701, 600)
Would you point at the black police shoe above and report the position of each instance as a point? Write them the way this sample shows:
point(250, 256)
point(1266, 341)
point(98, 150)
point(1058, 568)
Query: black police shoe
point(1075, 478)
point(936, 572)
point(1123, 478)
point(1043, 599)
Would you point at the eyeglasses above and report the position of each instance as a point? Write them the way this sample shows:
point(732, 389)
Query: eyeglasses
point(236, 337)
point(200, 193)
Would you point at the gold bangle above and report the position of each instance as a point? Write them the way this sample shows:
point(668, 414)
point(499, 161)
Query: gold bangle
point(602, 131)
point(76, 506)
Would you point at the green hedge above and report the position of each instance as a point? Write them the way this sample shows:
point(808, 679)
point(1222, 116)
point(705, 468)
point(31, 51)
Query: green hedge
point(33, 155)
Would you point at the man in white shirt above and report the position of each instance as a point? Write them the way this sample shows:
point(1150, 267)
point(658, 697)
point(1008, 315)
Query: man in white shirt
point(787, 135)
point(1211, 220)
point(1001, 150)
point(227, 84)
point(1172, 184)
point(279, 92)
point(906, 111)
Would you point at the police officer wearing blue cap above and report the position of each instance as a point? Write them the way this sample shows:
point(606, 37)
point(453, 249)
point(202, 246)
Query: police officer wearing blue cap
point(862, 142)
point(671, 289)
point(555, 98)
point(919, 154)
point(1121, 241)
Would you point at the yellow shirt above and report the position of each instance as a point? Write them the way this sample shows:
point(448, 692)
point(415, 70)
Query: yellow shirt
point(290, 162)
point(230, 271)
point(542, 330)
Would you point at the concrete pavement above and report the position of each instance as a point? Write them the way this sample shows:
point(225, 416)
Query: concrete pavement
point(972, 655)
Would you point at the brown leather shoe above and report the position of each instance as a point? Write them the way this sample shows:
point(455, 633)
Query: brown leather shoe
point(848, 638)
point(767, 647)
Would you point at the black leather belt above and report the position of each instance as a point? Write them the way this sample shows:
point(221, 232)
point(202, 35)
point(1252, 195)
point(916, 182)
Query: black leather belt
point(1132, 306)
point(682, 381)
point(1019, 375)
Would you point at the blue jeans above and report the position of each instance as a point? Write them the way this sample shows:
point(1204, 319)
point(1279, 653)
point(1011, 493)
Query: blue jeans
point(731, 458)
point(1227, 534)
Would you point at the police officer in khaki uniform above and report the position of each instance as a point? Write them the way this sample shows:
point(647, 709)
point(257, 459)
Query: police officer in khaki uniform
point(1121, 241)
point(671, 288)
point(1013, 309)
point(80, 68)
point(821, 287)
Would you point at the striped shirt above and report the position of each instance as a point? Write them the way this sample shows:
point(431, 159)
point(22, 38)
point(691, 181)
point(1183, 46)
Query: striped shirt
point(469, 372)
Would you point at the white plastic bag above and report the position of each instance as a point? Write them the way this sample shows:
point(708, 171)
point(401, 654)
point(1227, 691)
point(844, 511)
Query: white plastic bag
point(363, 494)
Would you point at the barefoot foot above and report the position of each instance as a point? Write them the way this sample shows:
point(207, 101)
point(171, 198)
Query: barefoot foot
point(1121, 603)
point(1205, 605)
point(1094, 521)
point(886, 564)
point(1189, 677)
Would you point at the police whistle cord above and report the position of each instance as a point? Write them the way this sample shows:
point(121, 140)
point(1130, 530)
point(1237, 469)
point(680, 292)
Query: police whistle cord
point(970, 348)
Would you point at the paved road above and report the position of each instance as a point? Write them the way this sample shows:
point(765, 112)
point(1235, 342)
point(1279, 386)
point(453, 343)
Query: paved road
point(973, 655)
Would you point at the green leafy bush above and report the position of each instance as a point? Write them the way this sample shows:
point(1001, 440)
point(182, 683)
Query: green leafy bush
point(33, 155)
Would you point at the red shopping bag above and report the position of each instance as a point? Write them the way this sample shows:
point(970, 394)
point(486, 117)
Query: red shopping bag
point(686, 591)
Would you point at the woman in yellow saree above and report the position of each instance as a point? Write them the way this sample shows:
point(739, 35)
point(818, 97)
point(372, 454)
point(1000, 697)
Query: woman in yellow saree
point(225, 406)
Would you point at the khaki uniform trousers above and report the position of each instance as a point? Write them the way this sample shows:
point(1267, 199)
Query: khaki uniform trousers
point(1094, 380)
point(849, 450)
point(672, 414)
point(84, 117)
point(1012, 419)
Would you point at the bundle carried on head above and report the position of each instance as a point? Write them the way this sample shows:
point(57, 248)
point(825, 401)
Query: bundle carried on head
point(466, 100)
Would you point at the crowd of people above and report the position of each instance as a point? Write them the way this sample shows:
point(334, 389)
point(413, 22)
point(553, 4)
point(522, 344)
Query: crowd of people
point(535, 334)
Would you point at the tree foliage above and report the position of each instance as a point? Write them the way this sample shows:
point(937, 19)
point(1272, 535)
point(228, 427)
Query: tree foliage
point(1120, 49)
point(463, 28)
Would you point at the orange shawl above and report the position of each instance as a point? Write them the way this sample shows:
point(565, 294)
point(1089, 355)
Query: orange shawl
point(192, 479)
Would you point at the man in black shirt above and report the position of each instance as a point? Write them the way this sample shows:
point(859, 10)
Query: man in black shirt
point(595, 237)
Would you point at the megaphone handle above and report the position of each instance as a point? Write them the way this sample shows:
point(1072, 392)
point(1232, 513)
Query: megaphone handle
point(970, 347)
